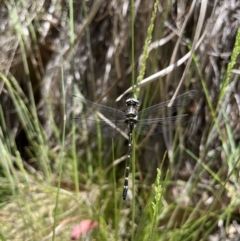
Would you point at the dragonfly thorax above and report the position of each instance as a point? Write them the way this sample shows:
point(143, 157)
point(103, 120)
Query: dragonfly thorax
point(132, 110)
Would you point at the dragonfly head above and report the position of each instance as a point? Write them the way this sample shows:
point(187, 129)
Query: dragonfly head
point(130, 101)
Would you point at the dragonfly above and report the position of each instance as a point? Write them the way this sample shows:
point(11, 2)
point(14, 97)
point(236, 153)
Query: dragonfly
point(156, 119)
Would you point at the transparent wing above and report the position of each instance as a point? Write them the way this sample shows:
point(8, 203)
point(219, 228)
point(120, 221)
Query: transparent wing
point(108, 121)
point(110, 129)
point(158, 125)
point(162, 110)
point(89, 108)
point(97, 118)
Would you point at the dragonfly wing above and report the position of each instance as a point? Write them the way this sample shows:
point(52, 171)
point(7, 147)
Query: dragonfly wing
point(158, 125)
point(162, 109)
point(88, 109)
point(109, 128)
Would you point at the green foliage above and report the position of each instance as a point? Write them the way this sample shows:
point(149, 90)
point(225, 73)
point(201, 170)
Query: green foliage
point(156, 204)
point(146, 45)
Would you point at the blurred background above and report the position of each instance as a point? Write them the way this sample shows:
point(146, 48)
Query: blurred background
point(53, 174)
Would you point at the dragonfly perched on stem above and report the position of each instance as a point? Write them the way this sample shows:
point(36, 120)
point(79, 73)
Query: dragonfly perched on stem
point(150, 121)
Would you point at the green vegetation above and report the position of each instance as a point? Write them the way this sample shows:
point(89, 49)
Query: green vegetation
point(183, 185)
